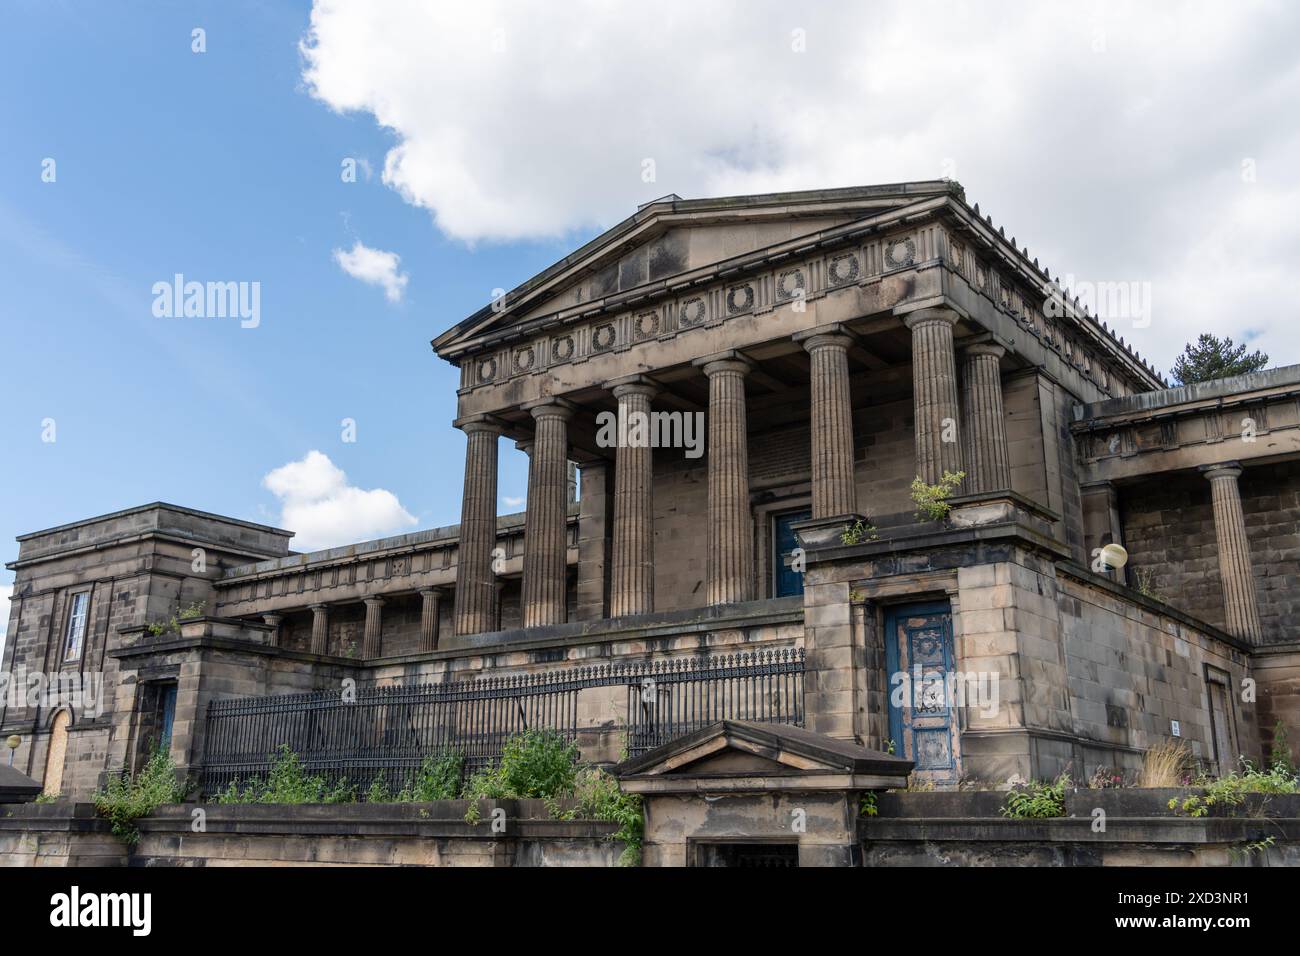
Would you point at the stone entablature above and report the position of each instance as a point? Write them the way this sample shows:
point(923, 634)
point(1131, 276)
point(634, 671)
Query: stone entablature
point(939, 230)
point(1241, 418)
point(405, 563)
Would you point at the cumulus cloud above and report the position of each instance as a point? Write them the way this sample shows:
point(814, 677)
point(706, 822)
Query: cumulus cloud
point(374, 267)
point(512, 502)
point(324, 511)
point(1122, 142)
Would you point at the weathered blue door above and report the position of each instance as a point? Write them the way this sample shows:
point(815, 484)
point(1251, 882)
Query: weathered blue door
point(922, 715)
point(788, 580)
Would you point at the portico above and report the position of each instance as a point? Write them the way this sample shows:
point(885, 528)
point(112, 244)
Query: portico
point(811, 359)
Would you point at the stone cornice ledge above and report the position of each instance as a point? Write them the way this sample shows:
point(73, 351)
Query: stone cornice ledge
point(931, 536)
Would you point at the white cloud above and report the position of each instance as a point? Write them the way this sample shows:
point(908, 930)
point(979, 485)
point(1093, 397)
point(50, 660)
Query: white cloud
point(324, 511)
point(374, 267)
point(1108, 137)
point(511, 502)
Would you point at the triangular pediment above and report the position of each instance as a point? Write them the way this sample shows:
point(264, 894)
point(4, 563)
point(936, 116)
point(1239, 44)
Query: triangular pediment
point(732, 748)
point(677, 238)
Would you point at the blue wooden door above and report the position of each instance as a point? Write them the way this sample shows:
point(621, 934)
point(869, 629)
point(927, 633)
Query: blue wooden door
point(923, 720)
point(788, 580)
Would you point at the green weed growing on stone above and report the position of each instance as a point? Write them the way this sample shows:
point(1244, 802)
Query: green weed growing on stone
point(1230, 791)
point(128, 797)
point(858, 532)
point(288, 782)
point(932, 500)
point(1037, 800)
point(598, 797)
point(534, 764)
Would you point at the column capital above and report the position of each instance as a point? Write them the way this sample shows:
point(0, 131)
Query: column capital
point(525, 445)
point(632, 385)
point(1224, 469)
point(319, 607)
point(926, 316)
point(984, 348)
point(432, 592)
point(728, 361)
point(550, 408)
point(478, 423)
point(272, 619)
point(373, 601)
point(824, 336)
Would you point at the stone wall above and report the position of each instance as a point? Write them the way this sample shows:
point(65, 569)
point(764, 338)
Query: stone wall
point(911, 829)
point(1133, 669)
point(405, 834)
point(1092, 675)
point(1168, 526)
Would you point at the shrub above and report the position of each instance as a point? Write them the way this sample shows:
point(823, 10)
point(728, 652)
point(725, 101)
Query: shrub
point(1037, 800)
point(1231, 790)
point(932, 500)
point(289, 782)
point(128, 797)
point(599, 798)
point(439, 778)
point(536, 763)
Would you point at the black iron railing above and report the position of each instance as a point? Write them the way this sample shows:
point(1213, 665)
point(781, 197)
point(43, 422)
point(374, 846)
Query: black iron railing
point(675, 698)
point(355, 736)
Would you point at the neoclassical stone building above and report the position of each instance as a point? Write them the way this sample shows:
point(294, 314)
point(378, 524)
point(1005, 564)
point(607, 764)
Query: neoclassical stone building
point(836, 345)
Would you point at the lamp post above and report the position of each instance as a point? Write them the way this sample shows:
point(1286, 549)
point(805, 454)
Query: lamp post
point(12, 742)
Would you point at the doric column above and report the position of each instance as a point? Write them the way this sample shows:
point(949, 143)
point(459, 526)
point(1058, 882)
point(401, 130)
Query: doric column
point(372, 642)
point(475, 611)
point(545, 527)
point(730, 548)
point(632, 581)
point(934, 389)
point(429, 611)
point(1240, 607)
point(320, 628)
point(988, 467)
point(273, 622)
point(833, 489)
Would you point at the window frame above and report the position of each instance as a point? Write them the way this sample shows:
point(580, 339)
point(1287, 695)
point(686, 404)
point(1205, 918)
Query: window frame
point(69, 652)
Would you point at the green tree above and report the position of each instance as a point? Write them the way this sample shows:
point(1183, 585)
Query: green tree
point(1212, 357)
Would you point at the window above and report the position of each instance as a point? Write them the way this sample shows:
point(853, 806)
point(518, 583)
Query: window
point(77, 615)
point(166, 715)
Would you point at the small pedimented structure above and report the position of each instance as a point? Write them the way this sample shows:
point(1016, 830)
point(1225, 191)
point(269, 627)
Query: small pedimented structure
point(16, 787)
point(738, 793)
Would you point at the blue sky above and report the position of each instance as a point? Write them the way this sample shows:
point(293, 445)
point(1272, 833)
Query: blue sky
point(221, 167)
point(497, 137)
